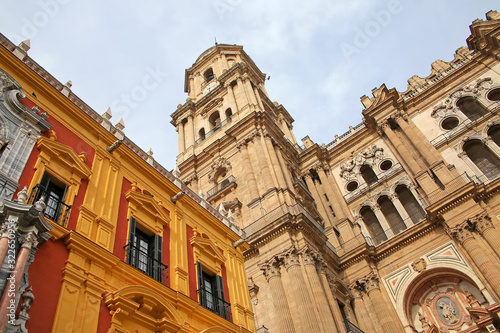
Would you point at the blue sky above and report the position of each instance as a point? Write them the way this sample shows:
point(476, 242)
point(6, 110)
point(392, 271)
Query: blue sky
point(321, 55)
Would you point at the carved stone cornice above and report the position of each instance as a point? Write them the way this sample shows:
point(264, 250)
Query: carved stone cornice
point(483, 223)
point(291, 259)
point(356, 289)
point(371, 282)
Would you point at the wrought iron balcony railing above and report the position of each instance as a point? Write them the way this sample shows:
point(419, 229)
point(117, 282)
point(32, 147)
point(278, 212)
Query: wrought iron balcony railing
point(212, 132)
point(56, 209)
point(215, 304)
point(144, 262)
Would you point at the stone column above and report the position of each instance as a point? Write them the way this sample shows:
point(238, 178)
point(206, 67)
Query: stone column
point(383, 222)
point(487, 268)
point(267, 180)
point(250, 93)
point(364, 321)
point(242, 90)
point(489, 233)
point(190, 131)
point(232, 102)
point(336, 198)
point(250, 177)
point(273, 276)
point(311, 260)
point(398, 145)
point(319, 202)
point(381, 307)
point(307, 316)
point(274, 161)
point(27, 242)
point(401, 210)
point(284, 167)
point(332, 301)
point(180, 130)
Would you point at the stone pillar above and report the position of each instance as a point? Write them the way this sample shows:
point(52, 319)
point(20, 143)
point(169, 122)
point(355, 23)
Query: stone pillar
point(319, 293)
point(259, 100)
point(381, 307)
point(190, 131)
point(487, 268)
point(250, 93)
point(334, 195)
point(27, 242)
point(180, 130)
point(274, 161)
point(250, 176)
point(232, 99)
point(7, 229)
point(307, 316)
point(267, 180)
point(283, 170)
point(284, 167)
point(334, 305)
point(398, 145)
point(489, 233)
point(401, 210)
point(364, 321)
point(319, 203)
point(243, 91)
point(273, 276)
point(383, 222)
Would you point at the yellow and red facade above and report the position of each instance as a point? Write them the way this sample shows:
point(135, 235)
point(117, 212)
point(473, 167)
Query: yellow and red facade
point(131, 248)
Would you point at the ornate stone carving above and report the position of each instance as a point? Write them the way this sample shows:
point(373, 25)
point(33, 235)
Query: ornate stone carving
point(291, 259)
point(350, 168)
point(460, 233)
point(483, 223)
point(218, 164)
point(371, 282)
point(271, 268)
point(419, 265)
point(28, 240)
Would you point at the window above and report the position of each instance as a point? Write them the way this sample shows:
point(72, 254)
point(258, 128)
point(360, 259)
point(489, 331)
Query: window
point(373, 225)
point(450, 123)
point(483, 158)
point(144, 252)
point(209, 75)
point(494, 95)
point(494, 134)
point(352, 186)
point(229, 114)
point(211, 293)
point(391, 215)
point(215, 121)
point(201, 134)
point(53, 191)
point(471, 108)
point(410, 204)
point(368, 175)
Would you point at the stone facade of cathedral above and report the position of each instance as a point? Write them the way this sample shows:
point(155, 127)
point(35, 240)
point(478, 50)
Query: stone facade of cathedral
point(394, 226)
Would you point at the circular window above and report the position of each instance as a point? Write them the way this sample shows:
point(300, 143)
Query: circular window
point(450, 123)
point(494, 95)
point(385, 165)
point(352, 186)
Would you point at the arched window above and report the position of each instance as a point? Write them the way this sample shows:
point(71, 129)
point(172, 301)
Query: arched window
point(494, 95)
point(201, 134)
point(471, 108)
point(373, 225)
point(368, 175)
point(229, 114)
point(494, 134)
point(208, 75)
point(410, 204)
point(483, 158)
point(214, 120)
point(391, 215)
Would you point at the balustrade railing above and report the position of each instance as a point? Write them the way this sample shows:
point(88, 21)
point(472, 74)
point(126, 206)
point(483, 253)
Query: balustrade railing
point(144, 262)
point(215, 304)
point(56, 209)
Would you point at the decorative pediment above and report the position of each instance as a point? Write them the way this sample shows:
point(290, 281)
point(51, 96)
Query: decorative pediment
point(148, 204)
point(138, 304)
point(207, 253)
point(65, 156)
point(379, 95)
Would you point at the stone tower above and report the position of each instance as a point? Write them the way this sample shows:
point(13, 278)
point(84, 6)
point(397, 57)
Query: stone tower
point(236, 147)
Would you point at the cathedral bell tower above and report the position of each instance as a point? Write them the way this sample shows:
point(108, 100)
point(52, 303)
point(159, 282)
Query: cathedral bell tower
point(237, 149)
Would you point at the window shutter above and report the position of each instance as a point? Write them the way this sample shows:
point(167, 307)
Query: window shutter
point(131, 253)
point(220, 296)
point(157, 256)
point(201, 287)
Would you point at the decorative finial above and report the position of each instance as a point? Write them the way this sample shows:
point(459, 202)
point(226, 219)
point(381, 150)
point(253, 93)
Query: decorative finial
point(120, 125)
point(107, 114)
point(222, 210)
point(22, 196)
point(201, 194)
point(40, 204)
point(176, 172)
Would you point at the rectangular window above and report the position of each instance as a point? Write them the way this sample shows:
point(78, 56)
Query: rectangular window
point(53, 191)
point(211, 293)
point(144, 252)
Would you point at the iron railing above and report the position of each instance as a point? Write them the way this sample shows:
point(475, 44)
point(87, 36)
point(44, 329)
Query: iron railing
point(222, 185)
point(351, 328)
point(144, 262)
point(212, 132)
point(215, 304)
point(55, 209)
point(450, 187)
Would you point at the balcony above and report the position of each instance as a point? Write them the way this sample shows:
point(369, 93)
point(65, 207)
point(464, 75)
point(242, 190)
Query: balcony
point(56, 209)
point(213, 131)
point(215, 304)
point(144, 262)
point(226, 183)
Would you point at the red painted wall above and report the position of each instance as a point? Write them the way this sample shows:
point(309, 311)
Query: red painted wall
point(45, 276)
point(122, 224)
point(226, 286)
point(104, 317)
point(191, 266)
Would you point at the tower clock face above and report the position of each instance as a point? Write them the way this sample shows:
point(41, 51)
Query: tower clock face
point(209, 88)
